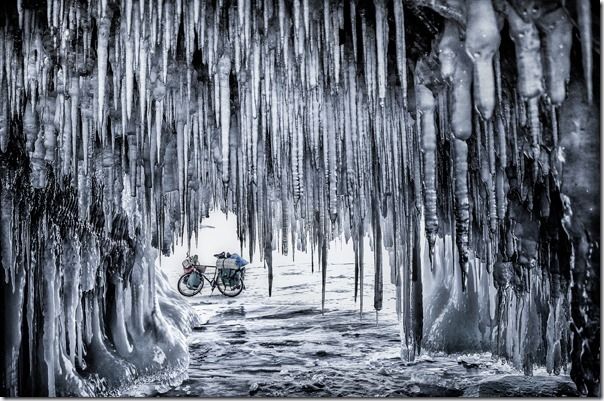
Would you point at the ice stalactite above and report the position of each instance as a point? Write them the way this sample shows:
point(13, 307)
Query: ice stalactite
point(462, 207)
point(4, 119)
point(528, 54)
point(556, 26)
point(456, 67)
point(585, 27)
point(380, 37)
point(530, 70)
point(224, 68)
point(428, 130)
point(482, 40)
point(102, 44)
point(348, 119)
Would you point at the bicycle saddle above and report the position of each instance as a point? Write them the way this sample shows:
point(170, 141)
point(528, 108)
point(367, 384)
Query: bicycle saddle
point(220, 255)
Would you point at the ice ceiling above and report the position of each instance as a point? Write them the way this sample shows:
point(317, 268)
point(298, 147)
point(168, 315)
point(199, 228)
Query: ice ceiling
point(124, 123)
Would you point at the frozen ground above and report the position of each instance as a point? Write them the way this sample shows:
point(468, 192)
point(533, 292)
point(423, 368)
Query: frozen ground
point(285, 346)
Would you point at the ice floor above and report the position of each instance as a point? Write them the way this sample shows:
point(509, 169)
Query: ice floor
point(285, 346)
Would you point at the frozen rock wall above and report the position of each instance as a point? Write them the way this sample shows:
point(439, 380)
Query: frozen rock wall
point(459, 127)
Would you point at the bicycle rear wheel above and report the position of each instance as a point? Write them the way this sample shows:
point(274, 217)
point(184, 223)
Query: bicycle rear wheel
point(184, 289)
point(232, 287)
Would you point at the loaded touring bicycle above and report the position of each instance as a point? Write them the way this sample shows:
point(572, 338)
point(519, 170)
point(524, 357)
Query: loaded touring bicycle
point(227, 275)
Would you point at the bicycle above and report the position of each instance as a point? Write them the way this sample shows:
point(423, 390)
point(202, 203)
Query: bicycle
point(230, 282)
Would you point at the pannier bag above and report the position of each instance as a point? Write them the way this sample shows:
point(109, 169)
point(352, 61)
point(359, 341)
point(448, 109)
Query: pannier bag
point(230, 272)
point(227, 264)
point(190, 263)
point(230, 277)
point(194, 280)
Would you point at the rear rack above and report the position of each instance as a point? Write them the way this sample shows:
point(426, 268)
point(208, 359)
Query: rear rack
point(200, 268)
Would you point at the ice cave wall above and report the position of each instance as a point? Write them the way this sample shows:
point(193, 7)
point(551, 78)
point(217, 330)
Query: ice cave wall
point(85, 311)
point(462, 125)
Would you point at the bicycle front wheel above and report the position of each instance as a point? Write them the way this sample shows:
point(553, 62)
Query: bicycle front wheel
point(185, 289)
point(231, 287)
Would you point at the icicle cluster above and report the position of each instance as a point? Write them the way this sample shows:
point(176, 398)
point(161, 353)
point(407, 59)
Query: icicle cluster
point(313, 120)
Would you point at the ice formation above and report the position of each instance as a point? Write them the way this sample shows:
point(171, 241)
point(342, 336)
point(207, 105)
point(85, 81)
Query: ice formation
point(462, 125)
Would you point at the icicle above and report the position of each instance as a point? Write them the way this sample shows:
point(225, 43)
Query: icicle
point(557, 44)
point(461, 106)
point(102, 56)
point(158, 126)
point(482, 40)
point(129, 61)
point(50, 137)
point(382, 48)
point(66, 142)
point(448, 49)
point(462, 207)
point(332, 172)
point(377, 251)
point(5, 121)
point(425, 105)
point(401, 56)
point(142, 82)
point(490, 173)
point(501, 182)
point(353, 21)
point(180, 156)
point(535, 127)
point(323, 270)
point(224, 68)
point(585, 27)
point(528, 55)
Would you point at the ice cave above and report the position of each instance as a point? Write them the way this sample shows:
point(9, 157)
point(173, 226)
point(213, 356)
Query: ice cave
point(453, 146)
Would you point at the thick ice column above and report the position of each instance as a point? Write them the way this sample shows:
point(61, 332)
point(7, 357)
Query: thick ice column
point(528, 54)
point(557, 44)
point(448, 49)
point(482, 41)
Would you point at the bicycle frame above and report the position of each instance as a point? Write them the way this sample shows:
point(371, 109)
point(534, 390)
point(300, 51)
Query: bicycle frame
point(213, 281)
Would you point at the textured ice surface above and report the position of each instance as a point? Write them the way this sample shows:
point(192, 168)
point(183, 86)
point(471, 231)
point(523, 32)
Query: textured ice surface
point(285, 346)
